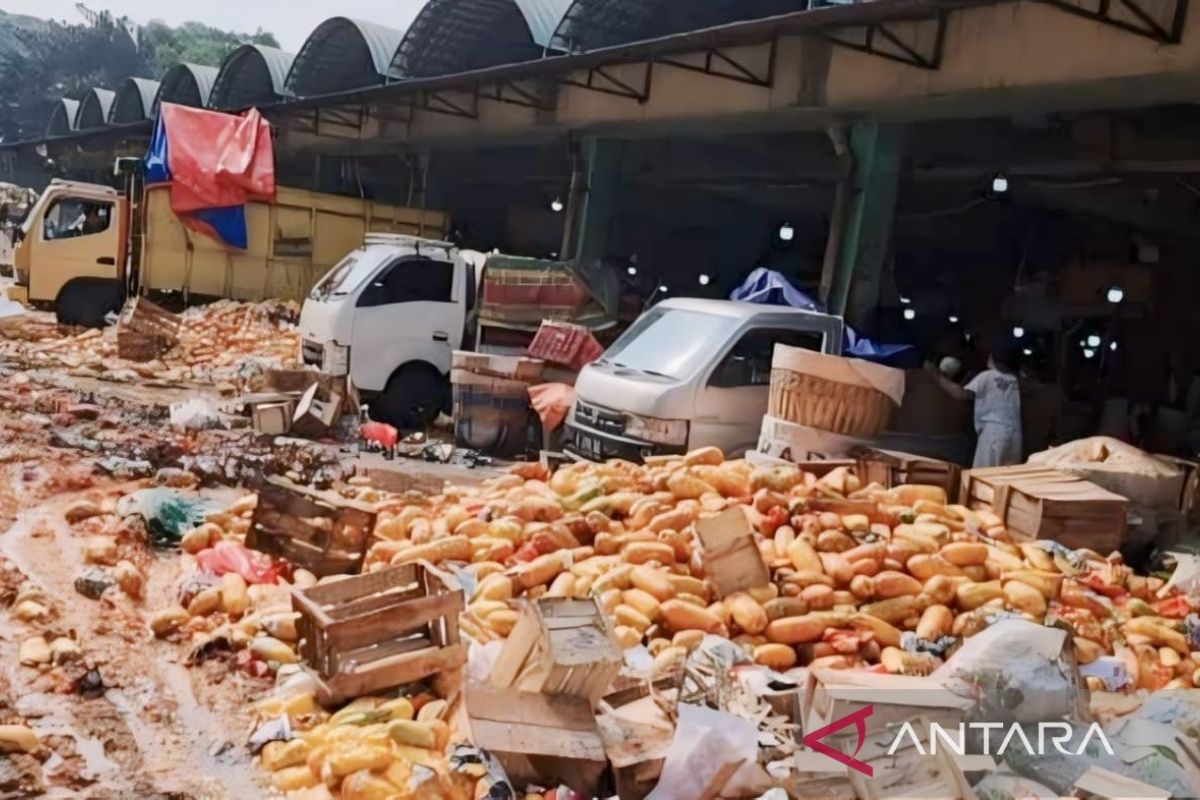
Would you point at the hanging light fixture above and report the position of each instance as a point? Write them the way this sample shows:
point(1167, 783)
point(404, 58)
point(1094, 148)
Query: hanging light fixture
point(704, 279)
point(1115, 295)
point(786, 232)
point(1093, 340)
point(953, 319)
point(999, 183)
point(1089, 352)
point(1018, 332)
point(556, 205)
point(910, 313)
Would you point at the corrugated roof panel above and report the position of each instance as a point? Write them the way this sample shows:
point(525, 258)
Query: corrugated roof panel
point(251, 75)
point(450, 36)
point(93, 109)
point(187, 85)
point(134, 101)
point(592, 24)
point(342, 54)
point(62, 118)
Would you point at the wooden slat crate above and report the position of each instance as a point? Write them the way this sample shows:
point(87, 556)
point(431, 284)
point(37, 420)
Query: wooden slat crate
point(559, 646)
point(893, 468)
point(323, 532)
point(732, 561)
point(1040, 503)
point(379, 630)
point(145, 331)
point(986, 485)
point(538, 738)
point(1074, 514)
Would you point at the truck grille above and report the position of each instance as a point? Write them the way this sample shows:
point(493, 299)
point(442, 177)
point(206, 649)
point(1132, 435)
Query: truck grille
point(312, 353)
point(599, 419)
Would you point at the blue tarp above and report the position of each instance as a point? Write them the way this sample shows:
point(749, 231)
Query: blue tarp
point(768, 287)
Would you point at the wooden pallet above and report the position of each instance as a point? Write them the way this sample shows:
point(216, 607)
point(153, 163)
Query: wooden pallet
point(323, 532)
point(559, 646)
point(380, 630)
point(146, 330)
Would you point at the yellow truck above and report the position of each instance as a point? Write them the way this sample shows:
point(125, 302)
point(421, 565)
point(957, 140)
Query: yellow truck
point(85, 247)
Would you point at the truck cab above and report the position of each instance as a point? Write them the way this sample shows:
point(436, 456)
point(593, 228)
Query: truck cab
point(72, 250)
point(389, 315)
point(688, 373)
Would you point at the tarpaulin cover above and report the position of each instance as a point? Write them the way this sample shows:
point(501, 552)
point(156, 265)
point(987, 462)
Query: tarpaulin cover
point(768, 287)
point(216, 163)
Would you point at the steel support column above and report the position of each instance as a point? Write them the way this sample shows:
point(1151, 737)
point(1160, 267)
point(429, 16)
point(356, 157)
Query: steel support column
point(596, 199)
point(861, 228)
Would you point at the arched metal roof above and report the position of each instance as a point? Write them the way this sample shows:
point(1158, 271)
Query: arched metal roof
point(592, 24)
point(342, 54)
point(93, 108)
point(187, 85)
point(134, 101)
point(251, 75)
point(62, 118)
point(451, 36)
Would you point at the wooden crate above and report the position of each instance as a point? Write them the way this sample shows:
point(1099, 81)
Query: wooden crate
point(372, 632)
point(893, 468)
point(1075, 514)
point(323, 532)
point(1040, 503)
point(732, 561)
point(145, 331)
point(543, 739)
point(559, 646)
point(984, 487)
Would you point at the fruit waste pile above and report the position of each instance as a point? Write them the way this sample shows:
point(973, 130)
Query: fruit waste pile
point(860, 577)
point(217, 343)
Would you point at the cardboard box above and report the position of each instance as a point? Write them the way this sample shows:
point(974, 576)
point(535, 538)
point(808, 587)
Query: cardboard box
point(732, 560)
point(891, 468)
point(1100, 783)
point(895, 699)
point(273, 417)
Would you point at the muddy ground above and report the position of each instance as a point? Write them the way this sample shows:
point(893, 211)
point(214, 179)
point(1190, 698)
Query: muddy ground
point(125, 718)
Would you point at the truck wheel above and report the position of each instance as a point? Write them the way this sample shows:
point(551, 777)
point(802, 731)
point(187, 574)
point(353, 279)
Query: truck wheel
point(412, 398)
point(87, 301)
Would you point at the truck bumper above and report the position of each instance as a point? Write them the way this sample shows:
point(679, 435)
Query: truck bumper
point(590, 444)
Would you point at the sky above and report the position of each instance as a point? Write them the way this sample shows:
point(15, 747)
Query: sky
point(290, 20)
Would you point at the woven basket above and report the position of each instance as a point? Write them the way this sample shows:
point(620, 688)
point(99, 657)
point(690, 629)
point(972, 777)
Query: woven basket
point(804, 391)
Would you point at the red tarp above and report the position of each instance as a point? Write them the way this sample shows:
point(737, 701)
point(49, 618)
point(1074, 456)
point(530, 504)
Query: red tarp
point(217, 160)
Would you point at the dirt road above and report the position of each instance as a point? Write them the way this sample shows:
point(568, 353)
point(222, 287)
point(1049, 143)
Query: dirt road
point(121, 717)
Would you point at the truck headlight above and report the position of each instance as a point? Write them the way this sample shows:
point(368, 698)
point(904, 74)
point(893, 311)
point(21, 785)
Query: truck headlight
point(659, 431)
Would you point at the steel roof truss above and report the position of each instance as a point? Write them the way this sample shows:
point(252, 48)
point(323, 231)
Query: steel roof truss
point(719, 64)
point(880, 39)
point(514, 93)
point(440, 103)
point(599, 79)
point(1146, 24)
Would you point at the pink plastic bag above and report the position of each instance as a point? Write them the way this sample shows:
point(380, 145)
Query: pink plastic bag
point(254, 567)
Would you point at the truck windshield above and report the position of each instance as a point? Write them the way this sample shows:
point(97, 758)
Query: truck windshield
point(670, 342)
point(345, 278)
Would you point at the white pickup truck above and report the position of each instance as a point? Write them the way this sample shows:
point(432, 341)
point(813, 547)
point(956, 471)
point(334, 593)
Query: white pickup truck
point(688, 373)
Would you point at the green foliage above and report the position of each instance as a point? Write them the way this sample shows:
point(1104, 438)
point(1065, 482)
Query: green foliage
point(41, 61)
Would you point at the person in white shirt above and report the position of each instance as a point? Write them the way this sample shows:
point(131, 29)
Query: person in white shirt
point(996, 393)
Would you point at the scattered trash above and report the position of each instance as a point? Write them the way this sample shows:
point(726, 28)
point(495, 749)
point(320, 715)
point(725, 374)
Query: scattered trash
point(276, 729)
point(168, 513)
point(254, 567)
point(93, 583)
point(195, 415)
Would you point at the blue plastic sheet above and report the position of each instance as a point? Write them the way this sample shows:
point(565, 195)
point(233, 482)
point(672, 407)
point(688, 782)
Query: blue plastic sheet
point(768, 287)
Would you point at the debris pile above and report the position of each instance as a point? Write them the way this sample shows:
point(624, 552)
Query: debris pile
point(221, 343)
point(737, 593)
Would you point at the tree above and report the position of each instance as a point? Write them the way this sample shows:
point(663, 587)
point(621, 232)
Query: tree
point(42, 61)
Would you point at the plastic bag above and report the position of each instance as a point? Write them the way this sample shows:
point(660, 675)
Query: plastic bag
point(1019, 671)
point(254, 567)
point(168, 513)
point(194, 415)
